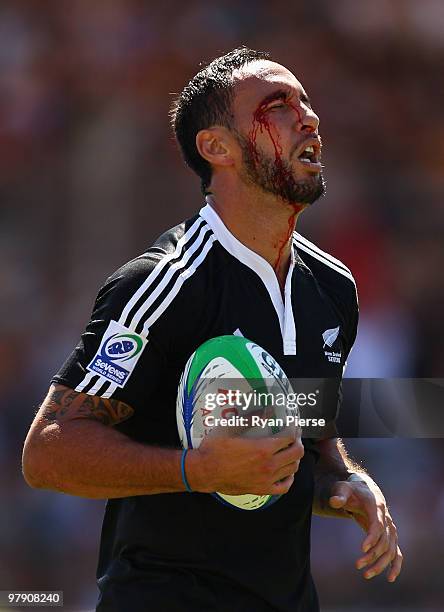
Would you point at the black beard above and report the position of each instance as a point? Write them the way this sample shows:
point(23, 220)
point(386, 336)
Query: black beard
point(276, 177)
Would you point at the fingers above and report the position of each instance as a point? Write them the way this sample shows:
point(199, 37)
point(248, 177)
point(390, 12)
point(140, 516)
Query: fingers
point(286, 463)
point(379, 566)
point(395, 566)
point(384, 554)
point(253, 465)
point(337, 501)
point(376, 529)
point(342, 493)
point(376, 552)
point(293, 452)
point(287, 470)
point(277, 444)
point(281, 487)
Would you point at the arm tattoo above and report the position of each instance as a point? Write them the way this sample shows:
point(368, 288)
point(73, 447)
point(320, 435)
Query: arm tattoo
point(64, 404)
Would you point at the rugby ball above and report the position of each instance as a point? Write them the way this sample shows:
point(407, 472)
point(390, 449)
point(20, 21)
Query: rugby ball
point(231, 387)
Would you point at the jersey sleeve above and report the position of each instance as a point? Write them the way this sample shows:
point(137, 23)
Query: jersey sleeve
point(123, 350)
point(352, 318)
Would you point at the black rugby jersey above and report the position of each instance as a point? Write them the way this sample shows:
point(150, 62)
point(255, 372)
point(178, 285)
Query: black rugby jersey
point(181, 551)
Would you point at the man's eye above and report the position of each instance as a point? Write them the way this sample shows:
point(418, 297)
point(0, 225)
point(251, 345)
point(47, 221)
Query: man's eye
point(280, 105)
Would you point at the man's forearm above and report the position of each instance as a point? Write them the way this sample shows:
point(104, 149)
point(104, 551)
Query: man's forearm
point(86, 458)
point(333, 465)
point(72, 447)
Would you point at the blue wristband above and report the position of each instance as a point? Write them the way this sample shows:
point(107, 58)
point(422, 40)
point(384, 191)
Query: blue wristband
point(184, 476)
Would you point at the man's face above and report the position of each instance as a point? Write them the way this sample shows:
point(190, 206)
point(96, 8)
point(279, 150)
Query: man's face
point(277, 131)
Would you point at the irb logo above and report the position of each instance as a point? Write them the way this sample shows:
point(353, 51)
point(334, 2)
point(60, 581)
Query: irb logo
point(122, 347)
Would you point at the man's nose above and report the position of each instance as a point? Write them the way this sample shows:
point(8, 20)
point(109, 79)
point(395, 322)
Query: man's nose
point(309, 120)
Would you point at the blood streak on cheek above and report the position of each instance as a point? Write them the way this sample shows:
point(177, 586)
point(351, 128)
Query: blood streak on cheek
point(282, 173)
point(261, 123)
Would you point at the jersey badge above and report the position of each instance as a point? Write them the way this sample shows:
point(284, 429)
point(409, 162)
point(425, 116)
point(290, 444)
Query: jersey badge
point(329, 337)
point(118, 354)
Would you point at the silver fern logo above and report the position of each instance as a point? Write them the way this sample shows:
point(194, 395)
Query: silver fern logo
point(329, 337)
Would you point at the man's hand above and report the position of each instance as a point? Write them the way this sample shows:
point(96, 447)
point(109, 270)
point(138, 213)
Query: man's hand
point(236, 466)
point(365, 502)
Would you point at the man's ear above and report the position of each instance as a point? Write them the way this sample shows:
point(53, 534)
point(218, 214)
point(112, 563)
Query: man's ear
point(215, 145)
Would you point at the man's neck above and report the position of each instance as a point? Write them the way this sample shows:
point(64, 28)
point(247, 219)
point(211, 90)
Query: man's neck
point(265, 227)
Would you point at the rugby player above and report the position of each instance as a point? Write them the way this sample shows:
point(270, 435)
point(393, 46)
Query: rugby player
point(107, 428)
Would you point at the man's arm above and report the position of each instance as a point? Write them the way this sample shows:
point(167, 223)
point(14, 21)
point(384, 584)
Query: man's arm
point(72, 447)
point(344, 489)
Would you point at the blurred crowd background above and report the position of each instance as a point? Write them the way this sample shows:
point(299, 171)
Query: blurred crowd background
point(90, 175)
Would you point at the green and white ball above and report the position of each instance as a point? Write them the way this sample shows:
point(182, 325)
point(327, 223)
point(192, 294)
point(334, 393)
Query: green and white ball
point(236, 364)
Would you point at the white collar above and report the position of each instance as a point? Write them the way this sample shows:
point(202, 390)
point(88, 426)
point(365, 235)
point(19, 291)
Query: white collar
point(265, 272)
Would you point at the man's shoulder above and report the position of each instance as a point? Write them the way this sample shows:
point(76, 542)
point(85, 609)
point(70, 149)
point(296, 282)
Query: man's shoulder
point(175, 238)
point(169, 248)
point(328, 271)
point(158, 276)
point(322, 261)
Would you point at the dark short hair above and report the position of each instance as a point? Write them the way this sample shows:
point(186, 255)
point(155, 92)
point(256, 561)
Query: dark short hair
point(207, 101)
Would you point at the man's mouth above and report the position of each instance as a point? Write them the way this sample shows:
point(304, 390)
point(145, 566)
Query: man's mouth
point(309, 154)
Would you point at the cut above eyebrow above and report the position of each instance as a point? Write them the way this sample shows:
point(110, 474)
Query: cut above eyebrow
point(279, 94)
point(283, 94)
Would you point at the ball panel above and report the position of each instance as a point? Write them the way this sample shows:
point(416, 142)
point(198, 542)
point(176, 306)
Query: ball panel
point(233, 352)
point(192, 426)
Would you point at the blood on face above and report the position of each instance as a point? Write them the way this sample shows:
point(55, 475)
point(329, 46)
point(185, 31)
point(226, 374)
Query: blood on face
point(282, 172)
